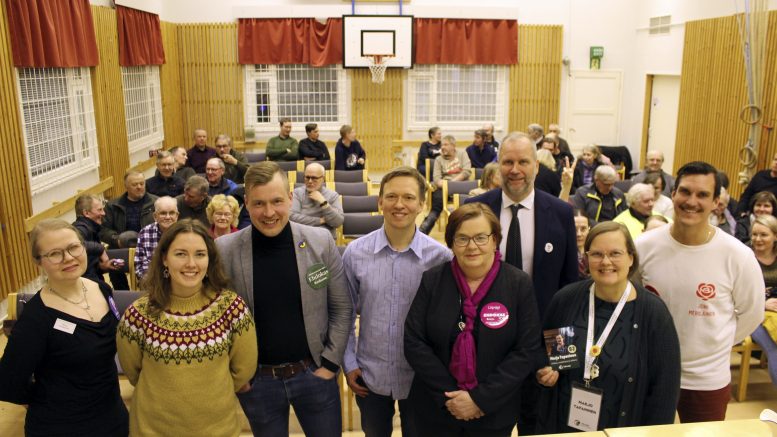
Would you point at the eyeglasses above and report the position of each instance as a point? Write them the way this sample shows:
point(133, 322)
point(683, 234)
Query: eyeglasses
point(313, 178)
point(222, 214)
point(57, 256)
point(597, 257)
point(463, 240)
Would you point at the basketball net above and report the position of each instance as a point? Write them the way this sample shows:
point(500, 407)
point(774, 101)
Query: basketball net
point(377, 67)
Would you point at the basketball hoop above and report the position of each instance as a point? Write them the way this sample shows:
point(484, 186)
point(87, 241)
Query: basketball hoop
point(377, 67)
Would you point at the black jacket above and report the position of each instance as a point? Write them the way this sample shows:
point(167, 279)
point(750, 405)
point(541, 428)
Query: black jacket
point(115, 220)
point(548, 181)
point(159, 186)
point(505, 356)
point(313, 149)
point(650, 398)
point(90, 231)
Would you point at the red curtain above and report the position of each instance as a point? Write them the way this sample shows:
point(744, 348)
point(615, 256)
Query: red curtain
point(140, 38)
point(52, 33)
point(449, 41)
point(290, 41)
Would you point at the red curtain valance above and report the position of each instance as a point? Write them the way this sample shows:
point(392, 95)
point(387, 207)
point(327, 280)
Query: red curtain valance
point(290, 41)
point(52, 33)
point(140, 38)
point(451, 41)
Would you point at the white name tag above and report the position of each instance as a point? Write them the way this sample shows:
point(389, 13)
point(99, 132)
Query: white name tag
point(584, 408)
point(65, 326)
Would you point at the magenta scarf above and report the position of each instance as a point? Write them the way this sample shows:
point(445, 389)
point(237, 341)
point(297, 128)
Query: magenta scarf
point(464, 356)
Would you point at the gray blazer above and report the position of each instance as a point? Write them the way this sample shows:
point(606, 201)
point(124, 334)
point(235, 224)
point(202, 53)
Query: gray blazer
point(327, 311)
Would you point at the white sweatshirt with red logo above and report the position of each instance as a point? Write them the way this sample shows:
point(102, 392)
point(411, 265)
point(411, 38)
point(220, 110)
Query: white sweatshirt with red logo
point(715, 293)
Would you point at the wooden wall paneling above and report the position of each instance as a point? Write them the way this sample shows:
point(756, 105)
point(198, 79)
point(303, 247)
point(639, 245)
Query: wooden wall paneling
point(535, 82)
point(108, 92)
point(376, 111)
point(16, 266)
point(713, 92)
point(211, 80)
point(170, 81)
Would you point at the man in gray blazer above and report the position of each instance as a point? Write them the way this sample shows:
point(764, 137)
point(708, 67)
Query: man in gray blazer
point(292, 277)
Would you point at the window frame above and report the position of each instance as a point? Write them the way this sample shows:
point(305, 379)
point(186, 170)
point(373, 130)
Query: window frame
point(151, 106)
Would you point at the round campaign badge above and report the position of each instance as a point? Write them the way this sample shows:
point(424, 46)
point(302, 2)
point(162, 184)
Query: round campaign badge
point(318, 276)
point(494, 315)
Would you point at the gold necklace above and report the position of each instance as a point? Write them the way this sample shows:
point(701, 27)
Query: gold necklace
point(77, 304)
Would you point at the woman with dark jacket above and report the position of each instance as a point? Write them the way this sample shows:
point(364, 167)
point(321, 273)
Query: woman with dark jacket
point(472, 334)
point(429, 150)
point(635, 365)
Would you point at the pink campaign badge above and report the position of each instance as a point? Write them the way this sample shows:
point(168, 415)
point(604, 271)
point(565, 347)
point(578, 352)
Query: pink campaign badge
point(494, 315)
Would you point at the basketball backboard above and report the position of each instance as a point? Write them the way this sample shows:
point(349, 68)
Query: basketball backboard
point(365, 36)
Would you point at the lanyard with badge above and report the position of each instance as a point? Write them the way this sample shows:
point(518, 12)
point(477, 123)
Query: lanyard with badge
point(586, 401)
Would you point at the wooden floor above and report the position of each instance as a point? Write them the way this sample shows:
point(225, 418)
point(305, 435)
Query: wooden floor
point(760, 394)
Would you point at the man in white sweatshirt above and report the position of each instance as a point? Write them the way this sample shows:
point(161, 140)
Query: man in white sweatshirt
point(712, 285)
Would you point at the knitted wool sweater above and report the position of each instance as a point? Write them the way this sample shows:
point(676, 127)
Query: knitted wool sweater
point(187, 363)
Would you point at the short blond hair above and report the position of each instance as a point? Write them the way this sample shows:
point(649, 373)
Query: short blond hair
point(218, 202)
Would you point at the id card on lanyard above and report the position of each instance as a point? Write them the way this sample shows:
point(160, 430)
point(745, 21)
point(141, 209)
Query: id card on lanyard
point(586, 401)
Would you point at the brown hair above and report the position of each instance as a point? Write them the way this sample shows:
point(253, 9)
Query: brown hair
point(405, 171)
point(84, 202)
point(159, 288)
point(488, 173)
point(48, 225)
point(262, 173)
point(603, 228)
point(764, 197)
point(345, 130)
point(468, 212)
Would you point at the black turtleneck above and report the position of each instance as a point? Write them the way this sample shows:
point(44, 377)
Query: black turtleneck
point(280, 327)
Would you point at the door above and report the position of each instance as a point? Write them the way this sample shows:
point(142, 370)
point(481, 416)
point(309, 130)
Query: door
point(593, 108)
point(662, 125)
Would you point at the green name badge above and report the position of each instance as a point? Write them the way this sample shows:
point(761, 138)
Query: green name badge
point(318, 276)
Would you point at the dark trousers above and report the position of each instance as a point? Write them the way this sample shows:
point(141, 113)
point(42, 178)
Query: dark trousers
point(703, 405)
point(316, 403)
point(436, 202)
point(377, 414)
point(119, 280)
point(527, 417)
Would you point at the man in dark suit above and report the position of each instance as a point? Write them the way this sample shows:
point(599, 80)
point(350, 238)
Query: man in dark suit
point(538, 236)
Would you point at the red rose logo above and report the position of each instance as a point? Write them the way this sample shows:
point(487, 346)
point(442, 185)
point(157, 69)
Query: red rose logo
point(705, 291)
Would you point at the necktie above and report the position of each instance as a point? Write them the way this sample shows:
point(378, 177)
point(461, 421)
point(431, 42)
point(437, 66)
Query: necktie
point(513, 248)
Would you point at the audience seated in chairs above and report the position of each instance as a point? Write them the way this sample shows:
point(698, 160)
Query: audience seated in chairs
point(165, 214)
point(349, 154)
point(641, 198)
point(315, 205)
point(586, 166)
point(125, 217)
point(429, 150)
point(479, 152)
point(194, 200)
point(89, 217)
point(235, 162)
point(181, 170)
point(451, 165)
point(490, 140)
point(600, 201)
point(490, 179)
point(664, 205)
point(655, 160)
point(763, 238)
point(721, 216)
point(311, 148)
point(223, 214)
point(200, 152)
point(165, 182)
point(283, 147)
point(761, 203)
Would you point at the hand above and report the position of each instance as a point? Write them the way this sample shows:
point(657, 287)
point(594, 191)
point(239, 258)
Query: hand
point(771, 304)
point(106, 264)
point(316, 196)
point(461, 405)
point(547, 376)
point(228, 159)
point(360, 161)
point(245, 388)
point(324, 373)
point(358, 389)
point(288, 150)
point(568, 172)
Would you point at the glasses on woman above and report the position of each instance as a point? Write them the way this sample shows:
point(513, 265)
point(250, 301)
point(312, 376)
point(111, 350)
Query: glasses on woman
point(57, 256)
point(479, 239)
point(222, 214)
point(597, 256)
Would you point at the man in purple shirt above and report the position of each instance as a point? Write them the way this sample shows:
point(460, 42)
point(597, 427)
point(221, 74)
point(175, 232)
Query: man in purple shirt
point(383, 271)
point(200, 152)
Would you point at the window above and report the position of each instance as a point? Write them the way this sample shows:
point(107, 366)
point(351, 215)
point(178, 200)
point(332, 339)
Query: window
point(460, 96)
point(303, 93)
point(58, 124)
point(660, 25)
point(142, 107)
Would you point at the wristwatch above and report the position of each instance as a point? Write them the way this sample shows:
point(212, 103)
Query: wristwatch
point(323, 204)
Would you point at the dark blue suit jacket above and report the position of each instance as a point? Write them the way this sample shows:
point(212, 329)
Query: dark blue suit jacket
point(554, 224)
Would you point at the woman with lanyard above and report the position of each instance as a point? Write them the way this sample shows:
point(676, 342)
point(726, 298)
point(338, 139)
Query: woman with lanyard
point(472, 334)
point(623, 367)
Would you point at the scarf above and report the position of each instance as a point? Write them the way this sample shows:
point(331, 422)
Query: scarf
point(464, 356)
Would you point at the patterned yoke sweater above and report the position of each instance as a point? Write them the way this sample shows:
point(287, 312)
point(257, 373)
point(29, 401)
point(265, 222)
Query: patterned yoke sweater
point(187, 363)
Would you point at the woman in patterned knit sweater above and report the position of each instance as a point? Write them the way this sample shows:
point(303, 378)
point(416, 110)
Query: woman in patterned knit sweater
point(189, 344)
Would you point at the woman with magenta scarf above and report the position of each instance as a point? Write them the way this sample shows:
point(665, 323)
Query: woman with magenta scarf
point(472, 334)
